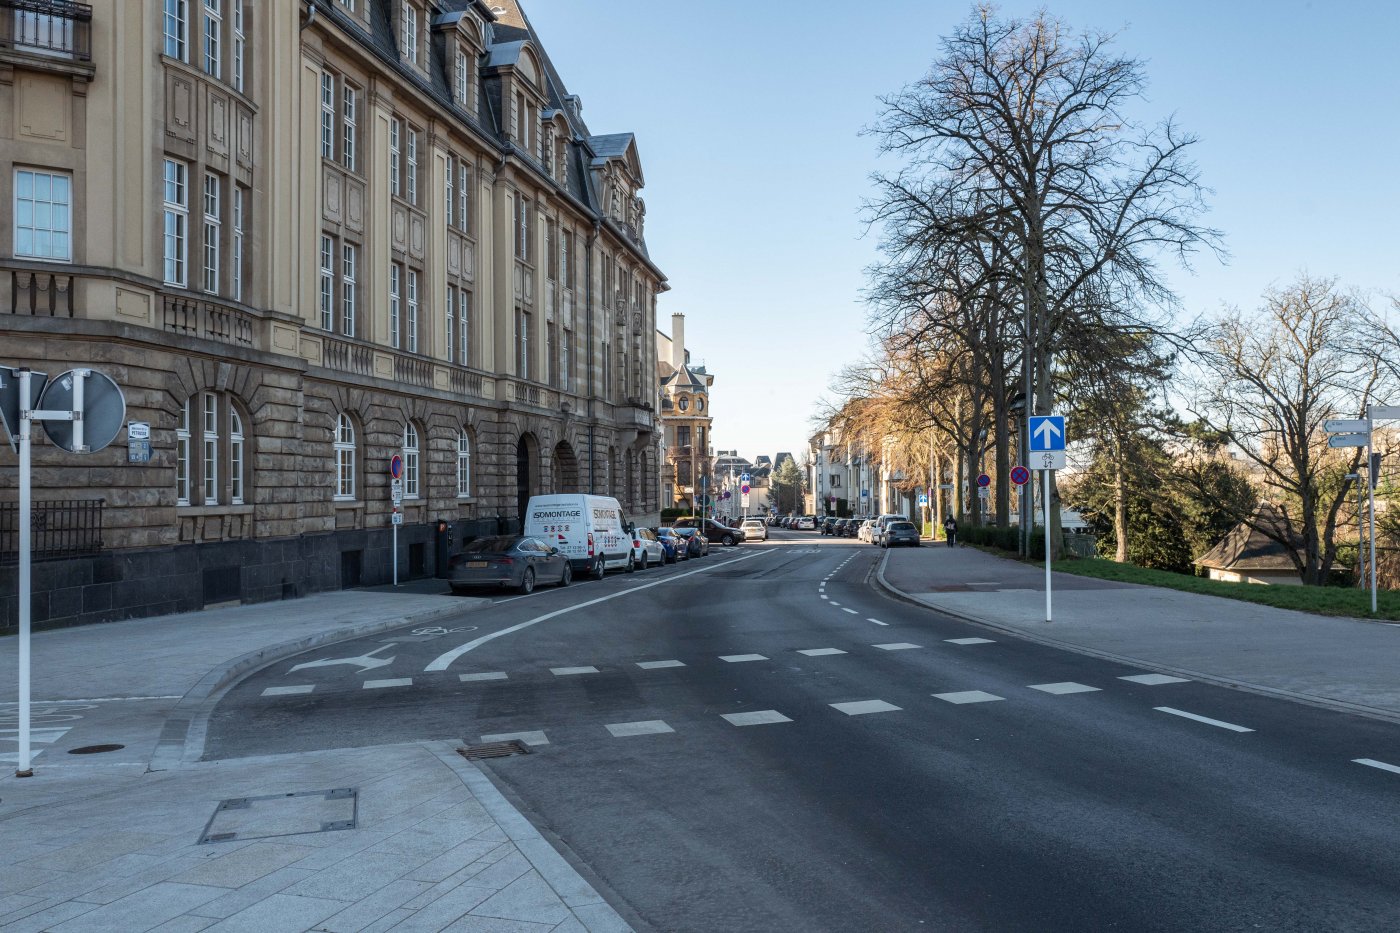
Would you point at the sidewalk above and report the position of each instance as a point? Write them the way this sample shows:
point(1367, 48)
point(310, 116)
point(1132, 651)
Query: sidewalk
point(1342, 663)
point(406, 837)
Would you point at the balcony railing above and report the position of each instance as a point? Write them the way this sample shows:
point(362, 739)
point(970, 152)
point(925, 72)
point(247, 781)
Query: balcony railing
point(56, 28)
point(58, 528)
point(347, 357)
point(201, 317)
point(41, 293)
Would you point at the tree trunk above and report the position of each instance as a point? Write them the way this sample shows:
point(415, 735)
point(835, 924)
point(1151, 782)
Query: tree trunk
point(1120, 507)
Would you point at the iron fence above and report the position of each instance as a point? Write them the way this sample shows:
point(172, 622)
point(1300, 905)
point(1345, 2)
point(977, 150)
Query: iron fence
point(47, 27)
point(59, 527)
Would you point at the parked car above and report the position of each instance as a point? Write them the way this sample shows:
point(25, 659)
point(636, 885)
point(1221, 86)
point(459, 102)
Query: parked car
point(899, 532)
point(866, 527)
point(806, 522)
point(646, 549)
point(754, 529)
point(717, 531)
point(853, 527)
point(878, 529)
point(676, 546)
point(518, 561)
point(697, 545)
point(837, 528)
point(590, 530)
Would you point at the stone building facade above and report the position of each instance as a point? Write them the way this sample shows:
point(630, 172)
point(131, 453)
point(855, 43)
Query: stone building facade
point(687, 475)
point(304, 238)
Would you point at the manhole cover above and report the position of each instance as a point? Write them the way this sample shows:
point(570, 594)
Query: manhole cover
point(315, 811)
point(95, 749)
point(494, 750)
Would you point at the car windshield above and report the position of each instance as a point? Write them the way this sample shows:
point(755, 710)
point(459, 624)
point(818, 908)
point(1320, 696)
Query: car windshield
point(494, 545)
point(901, 526)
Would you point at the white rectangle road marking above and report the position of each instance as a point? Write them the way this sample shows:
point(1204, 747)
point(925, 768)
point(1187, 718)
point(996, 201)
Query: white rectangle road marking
point(819, 652)
point(1153, 680)
point(483, 675)
point(288, 691)
point(760, 717)
point(851, 611)
point(968, 696)
point(1373, 763)
point(736, 658)
point(1064, 687)
point(654, 665)
point(970, 641)
point(390, 682)
point(645, 727)
point(833, 602)
point(1210, 722)
point(861, 707)
point(824, 596)
point(566, 671)
point(529, 738)
point(877, 621)
point(896, 646)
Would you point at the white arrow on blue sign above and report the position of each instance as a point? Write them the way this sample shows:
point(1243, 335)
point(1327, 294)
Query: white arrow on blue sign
point(1047, 432)
point(923, 500)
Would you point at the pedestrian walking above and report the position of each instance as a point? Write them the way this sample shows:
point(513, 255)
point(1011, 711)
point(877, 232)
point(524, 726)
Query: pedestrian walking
point(950, 530)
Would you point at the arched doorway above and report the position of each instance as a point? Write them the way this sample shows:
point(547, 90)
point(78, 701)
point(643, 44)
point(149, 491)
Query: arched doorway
point(565, 468)
point(526, 473)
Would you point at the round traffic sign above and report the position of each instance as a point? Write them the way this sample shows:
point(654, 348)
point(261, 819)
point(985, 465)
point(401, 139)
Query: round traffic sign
point(1020, 475)
point(984, 480)
point(104, 409)
point(744, 489)
point(396, 466)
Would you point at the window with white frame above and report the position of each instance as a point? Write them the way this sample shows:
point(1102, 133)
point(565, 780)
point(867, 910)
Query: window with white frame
point(464, 465)
point(213, 37)
point(395, 298)
point(522, 227)
point(464, 196)
point(43, 215)
point(212, 230)
point(410, 461)
point(451, 205)
point(235, 456)
point(348, 288)
point(566, 361)
point(209, 435)
point(327, 283)
point(239, 45)
point(175, 234)
point(345, 458)
point(412, 167)
point(395, 134)
point(411, 313)
point(349, 5)
point(182, 455)
point(176, 28)
point(461, 84)
point(464, 326)
point(236, 277)
point(522, 343)
point(408, 31)
point(566, 272)
point(211, 459)
point(327, 115)
point(349, 125)
point(451, 329)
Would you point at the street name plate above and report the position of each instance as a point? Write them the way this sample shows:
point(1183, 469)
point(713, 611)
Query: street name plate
point(1347, 425)
point(1348, 440)
point(1387, 412)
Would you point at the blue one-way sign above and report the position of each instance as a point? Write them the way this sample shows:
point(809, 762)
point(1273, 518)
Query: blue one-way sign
point(1047, 432)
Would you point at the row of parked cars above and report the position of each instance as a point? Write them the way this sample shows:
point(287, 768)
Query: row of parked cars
point(882, 530)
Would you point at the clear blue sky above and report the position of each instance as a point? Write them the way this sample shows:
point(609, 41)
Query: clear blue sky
point(748, 119)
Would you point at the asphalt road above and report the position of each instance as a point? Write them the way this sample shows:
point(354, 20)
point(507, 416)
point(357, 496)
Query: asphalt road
point(1037, 804)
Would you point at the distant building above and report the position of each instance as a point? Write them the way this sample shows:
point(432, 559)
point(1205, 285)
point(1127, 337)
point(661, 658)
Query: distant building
point(1247, 555)
point(685, 420)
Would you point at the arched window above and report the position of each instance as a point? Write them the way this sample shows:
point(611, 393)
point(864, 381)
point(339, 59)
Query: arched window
point(344, 458)
point(410, 461)
point(464, 465)
point(235, 459)
point(182, 456)
point(210, 451)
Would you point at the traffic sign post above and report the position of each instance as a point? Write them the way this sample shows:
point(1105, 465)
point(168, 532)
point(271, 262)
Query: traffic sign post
point(1356, 432)
point(1047, 436)
point(396, 517)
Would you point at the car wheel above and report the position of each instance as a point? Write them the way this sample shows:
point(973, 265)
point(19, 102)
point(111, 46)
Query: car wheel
point(631, 564)
point(567, 576)
point(527, 582)
point(645, 560)
point(599, 570)
point(727, 541)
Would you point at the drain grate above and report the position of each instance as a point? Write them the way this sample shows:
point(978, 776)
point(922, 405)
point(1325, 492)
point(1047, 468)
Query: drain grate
point(494, 750)
point(95, 749)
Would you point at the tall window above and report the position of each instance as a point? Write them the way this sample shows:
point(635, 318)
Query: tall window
point(177, 215)
point(395, 132)
point(395, 298)
point(464, 194)
point(213, 37)
point(209, 432)
point(239, 44)
point(451, 205)
point(411, 341)
point(460, 84)
point(344, 457)
point(522, 343)
point(348, 291)
point(236, 280)
point(522, 227)
point(451, 330)
point(349, 123)
point(235, 458)
point(408, 31)
point(43, 215)
point(464, 465)
point(464, 326)
point(327, 115)
point(683, 436)
point(182, 456)
point(410, 461)
point(566, 272)
point(551, 354)
point(212, 224)
point(176, 27)
point(551, 260)
point(412, 186)
point(327, 283)
point(566, 361)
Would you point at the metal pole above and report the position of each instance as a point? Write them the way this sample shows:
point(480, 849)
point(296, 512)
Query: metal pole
point(1045, 502)
point(1371, 517)
point(394, 525)
point(22, 765)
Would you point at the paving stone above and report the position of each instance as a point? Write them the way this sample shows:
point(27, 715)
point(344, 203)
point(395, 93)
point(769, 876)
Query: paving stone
point(503, 872)
point(355, 877)
point(146, 908)
point(601, 918)
point(445, 909)
point(185, 923)
point(367, 911)
point(471, 923)
point(280, 913)
point(245, 897)
point(45, 918)
point(526, 898)
point(451, 861)
point(246, 865)
point(94, 850)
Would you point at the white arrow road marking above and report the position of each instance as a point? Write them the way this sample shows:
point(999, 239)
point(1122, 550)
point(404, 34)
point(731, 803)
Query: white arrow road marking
point(1208, 721)
point(365, 662)
point(1373, 763)
point(444, 660)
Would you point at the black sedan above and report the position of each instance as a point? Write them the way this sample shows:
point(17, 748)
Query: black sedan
point(697, 544)
point(516, 561)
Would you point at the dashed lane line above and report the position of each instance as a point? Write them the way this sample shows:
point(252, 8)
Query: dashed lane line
point(970, 641)
point(570, 671)
point(1205, 719)
point(1154, 680)
point(1064, 687)
point(876, 621)
point(288, 691)
point(482, 676)
point(740, 658)
point(1373, 763)
point(645, 727)
point(820, 652)
point(968, 696)
point(389, 682)
point(761, 717)
point(861, 707)
point(851, 611)
point(897, 646)
point(655, 665)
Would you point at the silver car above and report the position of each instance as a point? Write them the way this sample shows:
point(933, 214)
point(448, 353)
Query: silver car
point(754, 530)
point(515, 561)
point(899, 532)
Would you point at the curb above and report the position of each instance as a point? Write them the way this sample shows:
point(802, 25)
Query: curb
point(1341, 706)
point(174, 735)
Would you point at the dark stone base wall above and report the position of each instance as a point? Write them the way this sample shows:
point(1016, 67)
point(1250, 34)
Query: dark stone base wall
point(116, 585)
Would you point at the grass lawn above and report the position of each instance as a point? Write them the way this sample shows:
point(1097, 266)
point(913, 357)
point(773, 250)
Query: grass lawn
point(1322, 600)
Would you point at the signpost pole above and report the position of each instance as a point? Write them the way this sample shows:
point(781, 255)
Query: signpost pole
point(22, 765)
point(1371, 517)
point(1045, 501)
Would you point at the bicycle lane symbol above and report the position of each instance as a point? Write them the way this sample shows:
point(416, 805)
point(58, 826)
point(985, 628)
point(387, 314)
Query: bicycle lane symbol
point(47, 724)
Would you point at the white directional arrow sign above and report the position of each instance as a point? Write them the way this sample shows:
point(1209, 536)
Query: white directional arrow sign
point(1347, 426)
point(1385, 412)
point(1047, 432)
point(1348, 440)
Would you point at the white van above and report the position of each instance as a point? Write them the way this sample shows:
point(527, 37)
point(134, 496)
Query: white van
point(590, 530)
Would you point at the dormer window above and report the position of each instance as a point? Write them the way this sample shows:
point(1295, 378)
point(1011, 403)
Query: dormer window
point(408, 31)
point(461, 84)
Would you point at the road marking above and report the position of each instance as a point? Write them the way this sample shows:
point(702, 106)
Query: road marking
point(566, 671)
point(1373, 763)
point(736, 658)
point(654, 665)
point(1064, 687)
point(760, 717)
point(1153, 680)
point(529, 738)
point(443, 661)
point(1210, 722)
point(876, 621)
point(820, 652)
point(970, 641)
point(969, 696)
point(861, 707)
point(391, 682)
point(851, 611)
point(645, 727)
point(484, 675)
point(824, 596)
point(896, 646)
point(834, 602)
point(43, 737)
point(288, 691)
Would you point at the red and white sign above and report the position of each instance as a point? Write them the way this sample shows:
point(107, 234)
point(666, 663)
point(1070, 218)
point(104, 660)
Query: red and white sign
point(1020, 475)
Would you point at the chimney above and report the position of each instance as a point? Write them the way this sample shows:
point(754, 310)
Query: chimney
point(678, 353)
